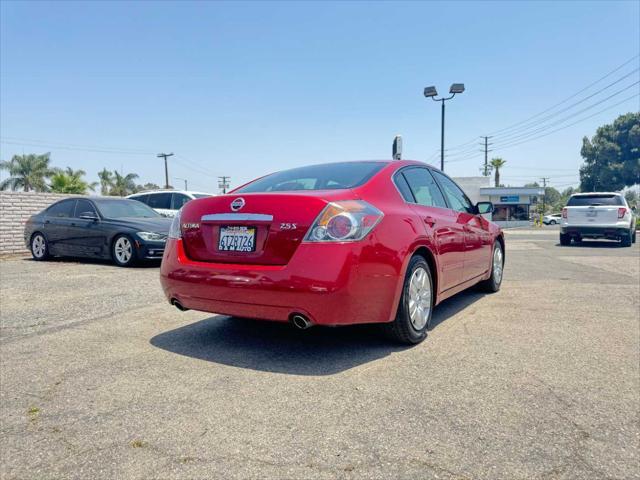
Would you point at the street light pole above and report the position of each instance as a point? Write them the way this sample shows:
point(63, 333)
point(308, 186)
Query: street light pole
point(431, 92)
point(442, 138)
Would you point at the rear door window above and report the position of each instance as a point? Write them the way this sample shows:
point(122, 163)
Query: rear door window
point(595, 200)
point(179, 199)
point(404, 188)
point(63, 209)
point(424, 188)
point(160, 200)
point(142, 198)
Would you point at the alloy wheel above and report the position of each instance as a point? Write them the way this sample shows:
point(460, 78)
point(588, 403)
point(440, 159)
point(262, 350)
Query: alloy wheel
point(123, 250)
point(419, 298)
point(38, 246)
point(497, 265)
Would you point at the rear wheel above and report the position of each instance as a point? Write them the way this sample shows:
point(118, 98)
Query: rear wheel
point(416, 304)
point(39, 247)
point(552, 222)
point(492, 284)
point(633, 238)
point(626, 239)
point(123, 252)
point(565, 239)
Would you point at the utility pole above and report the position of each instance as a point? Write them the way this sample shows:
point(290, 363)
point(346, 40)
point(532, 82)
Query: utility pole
point(223, 183)
point(544, 194)
point(184, 180)
point(166, 168)
point(486, 155)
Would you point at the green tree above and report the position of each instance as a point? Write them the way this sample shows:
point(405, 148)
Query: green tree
point(123, 185)
point(612, 156)
point(27, 172)
point(106, 181)
point(632, 197)
point(71, 181)
point(496, 164)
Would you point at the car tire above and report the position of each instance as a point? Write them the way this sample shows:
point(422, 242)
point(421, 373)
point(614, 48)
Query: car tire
point(123, 251)
point(417, 293)
point(633, 237)
point(552, 222)
point(493, 283)
point(627, 239)
point(39, 247)
point(565, 239)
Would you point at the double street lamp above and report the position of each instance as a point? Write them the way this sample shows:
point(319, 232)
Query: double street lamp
point(431, 92)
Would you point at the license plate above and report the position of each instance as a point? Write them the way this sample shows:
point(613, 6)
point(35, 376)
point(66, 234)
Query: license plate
point(237, 239)
point(592, 213)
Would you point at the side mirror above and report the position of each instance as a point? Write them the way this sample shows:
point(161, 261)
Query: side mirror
point(484, 207)
point(89, 216)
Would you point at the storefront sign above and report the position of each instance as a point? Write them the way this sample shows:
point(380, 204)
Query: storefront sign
point(510, 199)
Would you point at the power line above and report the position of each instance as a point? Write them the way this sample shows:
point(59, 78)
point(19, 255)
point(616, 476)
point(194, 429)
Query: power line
point(509, 145)
point(568, 98)
point(519, 131)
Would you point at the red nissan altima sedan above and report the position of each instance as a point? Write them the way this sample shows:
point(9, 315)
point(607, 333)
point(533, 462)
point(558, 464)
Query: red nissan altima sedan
point(334, 244)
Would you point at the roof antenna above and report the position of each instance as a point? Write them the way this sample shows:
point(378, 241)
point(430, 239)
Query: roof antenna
point(397, 148)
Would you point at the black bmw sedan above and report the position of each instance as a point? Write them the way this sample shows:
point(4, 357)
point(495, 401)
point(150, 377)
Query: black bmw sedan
point(126, 231)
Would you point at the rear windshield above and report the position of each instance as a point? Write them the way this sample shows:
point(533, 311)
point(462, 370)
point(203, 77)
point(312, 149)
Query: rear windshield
point(330, 176)
point(202, 195)
point(595, 200)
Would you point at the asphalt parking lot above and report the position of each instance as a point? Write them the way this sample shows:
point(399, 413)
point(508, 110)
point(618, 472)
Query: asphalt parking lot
point(101, 378)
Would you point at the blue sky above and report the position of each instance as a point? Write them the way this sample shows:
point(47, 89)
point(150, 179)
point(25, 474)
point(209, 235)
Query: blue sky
point(242, 88)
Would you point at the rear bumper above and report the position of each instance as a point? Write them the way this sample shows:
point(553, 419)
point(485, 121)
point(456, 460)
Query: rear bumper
point(606, 231)
point(331, 284)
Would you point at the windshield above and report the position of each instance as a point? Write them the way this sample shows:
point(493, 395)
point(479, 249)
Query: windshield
point(594, 200)
point(331, 176)
point(119, 208)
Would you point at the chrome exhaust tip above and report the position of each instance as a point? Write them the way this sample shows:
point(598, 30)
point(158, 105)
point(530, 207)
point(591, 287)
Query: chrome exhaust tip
point(178, 305)
point(300, 321)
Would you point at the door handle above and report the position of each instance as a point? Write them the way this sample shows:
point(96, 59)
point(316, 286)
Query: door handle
point(429, 220)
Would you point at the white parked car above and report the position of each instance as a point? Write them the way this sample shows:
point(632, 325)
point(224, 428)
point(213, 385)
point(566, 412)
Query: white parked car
point(167, 202)
point(552, 219)
point(598, 215)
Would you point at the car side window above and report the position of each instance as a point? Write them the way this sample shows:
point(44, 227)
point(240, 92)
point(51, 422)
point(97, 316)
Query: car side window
point(179, 199)
point(424, 188)
point(84, 206)
point(457, 198)
point(141, 198)
point(403, 187)
point(63, 209)
point(160, 200)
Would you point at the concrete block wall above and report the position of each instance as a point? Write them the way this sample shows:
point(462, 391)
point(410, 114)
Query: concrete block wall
point(15, 210)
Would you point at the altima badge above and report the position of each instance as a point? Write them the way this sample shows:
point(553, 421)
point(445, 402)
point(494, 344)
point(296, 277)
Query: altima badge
point(237, 204)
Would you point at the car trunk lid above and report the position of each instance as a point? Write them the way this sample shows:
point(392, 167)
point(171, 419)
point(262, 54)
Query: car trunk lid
point(252, 228)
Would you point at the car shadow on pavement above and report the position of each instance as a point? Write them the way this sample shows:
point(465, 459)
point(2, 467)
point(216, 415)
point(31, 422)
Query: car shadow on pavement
point(278, 347)
point(593, 244)
point(96, 261)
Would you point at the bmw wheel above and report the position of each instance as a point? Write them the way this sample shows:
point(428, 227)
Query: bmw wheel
point(416, 304)
point(123, 251)
point(39, 247)
point(492, 284)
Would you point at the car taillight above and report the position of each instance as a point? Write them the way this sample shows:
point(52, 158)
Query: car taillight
point(174, 230)
point(564, 213)
point(622, 211)
point(344, 221)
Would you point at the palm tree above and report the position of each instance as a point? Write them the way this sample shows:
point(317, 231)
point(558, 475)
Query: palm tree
point(71, 181)
point(123, 185)
point(27, 172)
point(497, 163)
point(106, 181)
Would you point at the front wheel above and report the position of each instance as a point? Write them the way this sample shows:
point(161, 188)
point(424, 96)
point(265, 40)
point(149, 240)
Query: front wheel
point(39, 247)
point(416, 304)
point(123, 252)
point(493, 283)
point(552, 222)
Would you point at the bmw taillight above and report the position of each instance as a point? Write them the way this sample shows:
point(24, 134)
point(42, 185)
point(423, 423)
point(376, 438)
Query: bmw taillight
point(344, 221)
point(622, 211)
point(564, 212)
point(174, 230)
